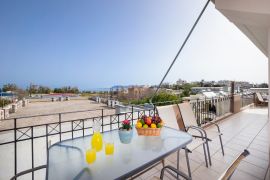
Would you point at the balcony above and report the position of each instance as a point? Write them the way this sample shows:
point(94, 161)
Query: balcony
point(24, 147)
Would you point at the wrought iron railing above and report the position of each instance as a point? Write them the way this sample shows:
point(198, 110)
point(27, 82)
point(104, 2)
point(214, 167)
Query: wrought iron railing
point(37, 136)
point(32, 134)
point(247, 99)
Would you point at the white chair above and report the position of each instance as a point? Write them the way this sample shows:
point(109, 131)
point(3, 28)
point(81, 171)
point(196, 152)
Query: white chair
point(261, 101)
point(171, 116)
point(190, 124)
point(226, 175)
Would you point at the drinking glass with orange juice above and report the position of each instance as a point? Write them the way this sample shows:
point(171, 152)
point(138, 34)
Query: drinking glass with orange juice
point(109, 148)
point(90, 155)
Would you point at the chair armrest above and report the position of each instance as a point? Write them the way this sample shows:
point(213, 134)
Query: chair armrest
point(218, 128)
point(199, 129)
point(175, 171)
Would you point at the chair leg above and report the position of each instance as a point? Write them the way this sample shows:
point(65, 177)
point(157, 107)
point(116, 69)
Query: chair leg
point(178, 159)
point(163, 163)
point(188, 165)
point(221, 144)
point(205, 155)
point(208, 151)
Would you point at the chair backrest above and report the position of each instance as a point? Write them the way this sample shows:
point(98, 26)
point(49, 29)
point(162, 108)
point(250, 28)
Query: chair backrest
point(187, 114)
point(230, 170)
point(259, 96)
point(171, 116)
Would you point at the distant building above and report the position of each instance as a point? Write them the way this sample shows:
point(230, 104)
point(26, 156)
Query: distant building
point(181, 82)
point(259, 90)
point(196, 90)
point(243, 85)
point(225, 82)
point(137, 92)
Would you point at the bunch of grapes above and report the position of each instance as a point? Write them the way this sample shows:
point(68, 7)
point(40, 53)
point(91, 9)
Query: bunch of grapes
point(144, 117)
point(156, 119)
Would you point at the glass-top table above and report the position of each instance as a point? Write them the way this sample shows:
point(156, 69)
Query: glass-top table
point(66, 159)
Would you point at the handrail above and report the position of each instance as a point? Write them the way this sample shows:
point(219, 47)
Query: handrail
point(67, 112)
point(28, 171)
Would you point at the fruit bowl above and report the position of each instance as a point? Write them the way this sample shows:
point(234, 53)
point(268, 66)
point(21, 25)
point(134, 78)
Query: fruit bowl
point(149, 126)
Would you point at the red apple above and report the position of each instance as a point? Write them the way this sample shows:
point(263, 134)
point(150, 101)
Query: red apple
point(148, 121)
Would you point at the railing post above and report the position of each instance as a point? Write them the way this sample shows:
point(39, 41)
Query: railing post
point(83, 126)
point(118, 121)
point(155, 110)
point(110, 122)
point(72, 130)
point(132, 115)
point(102, 116)
point(15, 147)
point(254, 99)
point(198, 112)
point(60, 130)
point(32, 149)
point(47, 145)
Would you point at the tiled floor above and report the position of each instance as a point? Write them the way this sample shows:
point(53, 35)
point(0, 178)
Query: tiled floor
point(248, 129)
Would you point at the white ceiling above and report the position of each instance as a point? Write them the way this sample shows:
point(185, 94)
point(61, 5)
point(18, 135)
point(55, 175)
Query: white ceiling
point(251, 17)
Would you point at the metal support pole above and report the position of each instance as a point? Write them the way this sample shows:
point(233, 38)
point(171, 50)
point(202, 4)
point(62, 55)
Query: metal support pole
point(178, 159)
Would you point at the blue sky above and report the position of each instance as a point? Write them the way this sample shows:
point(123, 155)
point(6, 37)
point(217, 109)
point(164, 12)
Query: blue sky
point(101, 43)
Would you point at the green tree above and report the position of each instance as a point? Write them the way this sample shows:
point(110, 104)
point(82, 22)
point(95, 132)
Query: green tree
point(263, 85)
point(9, 87)
point(161, 98)
point(66, 89)
point(44, 90)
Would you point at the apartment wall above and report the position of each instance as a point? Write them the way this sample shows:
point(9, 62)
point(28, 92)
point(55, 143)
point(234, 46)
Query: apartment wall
point(269, 84)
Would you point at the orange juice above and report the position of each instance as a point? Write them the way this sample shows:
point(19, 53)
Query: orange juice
point(109, 148)
point(90, 156)
point(97, 141)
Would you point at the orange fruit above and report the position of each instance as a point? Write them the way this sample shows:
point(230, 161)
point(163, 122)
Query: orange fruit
point(139, 125)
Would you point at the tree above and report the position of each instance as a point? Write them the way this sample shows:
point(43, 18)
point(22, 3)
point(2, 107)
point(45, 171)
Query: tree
point(201, 83)
point(44, 90)
point(66, 89)
point(21, 93)
point(33, 89)
point(263, 85)
point(10, 87)
point(57, 90)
